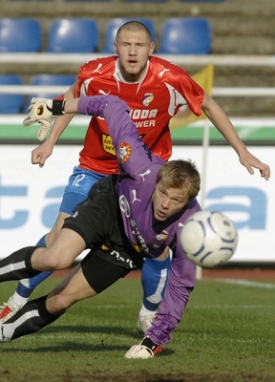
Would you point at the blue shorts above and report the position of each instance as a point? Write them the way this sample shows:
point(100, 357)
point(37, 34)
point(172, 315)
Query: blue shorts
point(78, 188)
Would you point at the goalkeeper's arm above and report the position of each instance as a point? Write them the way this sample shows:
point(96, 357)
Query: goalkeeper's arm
point(43, 111)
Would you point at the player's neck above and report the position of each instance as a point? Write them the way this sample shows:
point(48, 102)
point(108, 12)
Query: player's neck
point(129, 80)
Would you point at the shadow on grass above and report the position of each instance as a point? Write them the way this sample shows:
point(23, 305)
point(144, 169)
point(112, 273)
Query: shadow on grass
point(75, 346)
point(118, 330)
point(101, 344)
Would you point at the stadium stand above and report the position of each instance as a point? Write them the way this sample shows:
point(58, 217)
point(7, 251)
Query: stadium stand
point(73, 35)
point(145, 1)
point(185, 36)
point(20, 35)
point(11, 103)
point(49, 80)
point(202, 1)
point(242, 41)
point(88, 1)
point(115, 23)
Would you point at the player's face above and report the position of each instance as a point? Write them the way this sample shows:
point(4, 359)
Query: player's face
point(133, 49)
point(168, 201)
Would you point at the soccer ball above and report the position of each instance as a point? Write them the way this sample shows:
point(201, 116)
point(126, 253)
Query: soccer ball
point(209, 238)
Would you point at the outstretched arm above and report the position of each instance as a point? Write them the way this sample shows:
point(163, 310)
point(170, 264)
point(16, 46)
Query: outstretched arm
point(220, 120)
point(125, 137)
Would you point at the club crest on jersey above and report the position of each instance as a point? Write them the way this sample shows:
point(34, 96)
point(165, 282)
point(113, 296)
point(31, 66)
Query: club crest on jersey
point(124, 205)
point(162, 236)
point(147, 99)
point(124, 151)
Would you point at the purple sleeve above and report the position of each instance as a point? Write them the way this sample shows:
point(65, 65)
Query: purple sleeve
point(102, 106)
point(181, 282)
point(84, 106)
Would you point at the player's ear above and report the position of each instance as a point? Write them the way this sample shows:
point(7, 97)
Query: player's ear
point(152, 48)
point(115, 47)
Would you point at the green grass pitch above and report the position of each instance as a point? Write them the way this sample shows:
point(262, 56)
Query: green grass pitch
point(227, 334)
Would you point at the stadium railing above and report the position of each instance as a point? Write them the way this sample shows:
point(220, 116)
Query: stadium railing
point(181, 60)
point(178, 59)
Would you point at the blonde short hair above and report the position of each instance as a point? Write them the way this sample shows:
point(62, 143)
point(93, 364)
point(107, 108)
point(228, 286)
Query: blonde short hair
point(180, 174)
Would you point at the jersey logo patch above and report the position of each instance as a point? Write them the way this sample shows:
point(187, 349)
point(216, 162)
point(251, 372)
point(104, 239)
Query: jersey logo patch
point(135, 199)
point(147, 99)
point(162, 236)
point(147, 172)
point(124, 205)
point(124, 151)
point(107, 144)
point(163, 71)
point(97, 69)
point(103, 92)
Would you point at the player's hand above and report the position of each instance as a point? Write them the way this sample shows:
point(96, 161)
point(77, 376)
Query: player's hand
point(42, 111)
point(249, 161)
point(41, 153)
point(146, 349)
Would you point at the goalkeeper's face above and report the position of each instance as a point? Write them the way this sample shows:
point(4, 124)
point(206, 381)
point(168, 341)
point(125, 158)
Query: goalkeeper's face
point(168, 201)
point(133, 49)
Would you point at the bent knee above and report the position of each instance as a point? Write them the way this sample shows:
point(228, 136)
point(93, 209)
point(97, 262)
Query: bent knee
point(53, 260)
point(52, 235)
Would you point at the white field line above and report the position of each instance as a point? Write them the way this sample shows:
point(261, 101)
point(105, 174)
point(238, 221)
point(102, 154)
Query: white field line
point(254, 284)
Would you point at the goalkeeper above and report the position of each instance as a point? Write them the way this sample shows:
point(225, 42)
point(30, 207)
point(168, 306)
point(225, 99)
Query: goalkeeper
point(125, 218)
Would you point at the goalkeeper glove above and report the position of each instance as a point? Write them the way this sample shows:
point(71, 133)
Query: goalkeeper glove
point(146, 349)
point(42, 111)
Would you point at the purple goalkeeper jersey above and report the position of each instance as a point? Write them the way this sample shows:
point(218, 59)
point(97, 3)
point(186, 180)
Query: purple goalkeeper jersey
point(134, 188)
